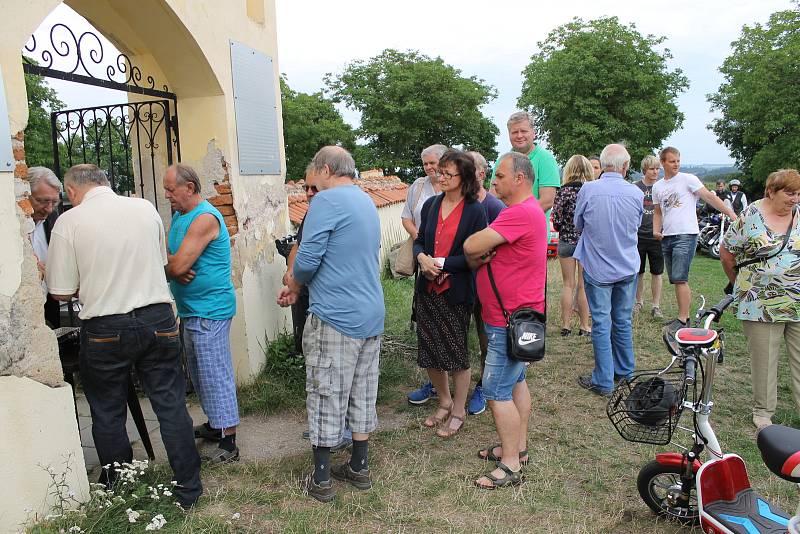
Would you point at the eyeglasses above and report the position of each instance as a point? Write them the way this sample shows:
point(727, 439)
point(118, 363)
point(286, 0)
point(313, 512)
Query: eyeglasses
point(311, 188)
point(47, 201)
point(447, 175)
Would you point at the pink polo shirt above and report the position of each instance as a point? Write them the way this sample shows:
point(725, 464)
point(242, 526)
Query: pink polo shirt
point(520, 266)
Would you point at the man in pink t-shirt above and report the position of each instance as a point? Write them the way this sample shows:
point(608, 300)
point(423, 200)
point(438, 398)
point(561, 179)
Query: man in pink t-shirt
point(516, 245)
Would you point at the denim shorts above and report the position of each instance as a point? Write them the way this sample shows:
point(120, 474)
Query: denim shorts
point(566, 250)
point(501, 373)
point(678, 254)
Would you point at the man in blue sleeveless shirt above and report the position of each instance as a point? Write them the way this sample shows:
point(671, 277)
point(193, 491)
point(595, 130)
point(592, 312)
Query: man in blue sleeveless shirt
point(338, 260)
point(199, 273)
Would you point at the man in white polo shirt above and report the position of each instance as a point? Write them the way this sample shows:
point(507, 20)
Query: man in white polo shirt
point(110, 250)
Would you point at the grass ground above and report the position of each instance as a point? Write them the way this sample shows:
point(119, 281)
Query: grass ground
point(582, 475)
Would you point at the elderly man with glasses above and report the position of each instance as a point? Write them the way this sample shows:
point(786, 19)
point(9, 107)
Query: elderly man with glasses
point(45, 197)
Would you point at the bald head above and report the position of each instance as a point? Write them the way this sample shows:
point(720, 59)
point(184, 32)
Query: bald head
point(615, 158)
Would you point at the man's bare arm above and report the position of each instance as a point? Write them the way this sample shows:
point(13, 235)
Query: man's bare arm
point(479, 247)
point(547, 196)
point(410, 227)
point(201, 232)
point(717, 203)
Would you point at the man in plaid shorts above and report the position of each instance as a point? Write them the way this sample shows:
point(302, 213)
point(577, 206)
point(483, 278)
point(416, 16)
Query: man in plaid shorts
point(199, 272)
point(338, 261)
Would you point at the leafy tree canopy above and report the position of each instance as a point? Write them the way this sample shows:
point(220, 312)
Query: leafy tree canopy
point(760, 98)
point(409, 101)
point(309, 123)
point(599, 82)
point(42, 99)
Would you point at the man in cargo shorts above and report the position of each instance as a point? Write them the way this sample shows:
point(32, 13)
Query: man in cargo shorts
point(338, 261)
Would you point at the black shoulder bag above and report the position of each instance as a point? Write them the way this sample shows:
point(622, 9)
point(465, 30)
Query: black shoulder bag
point(729, 288)
point(525, 328)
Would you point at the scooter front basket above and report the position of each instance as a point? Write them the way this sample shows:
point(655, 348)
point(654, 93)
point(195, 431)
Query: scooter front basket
point(646, 407)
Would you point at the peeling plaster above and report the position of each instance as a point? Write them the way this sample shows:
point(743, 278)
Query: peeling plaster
point(212, 169)
point(28, 348)
point(262, 213)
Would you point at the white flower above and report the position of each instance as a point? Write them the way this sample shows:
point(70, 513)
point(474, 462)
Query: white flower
point(76, 528)
point(236, 516)
point(156, 523)
point(133, 515)
point(167, 493)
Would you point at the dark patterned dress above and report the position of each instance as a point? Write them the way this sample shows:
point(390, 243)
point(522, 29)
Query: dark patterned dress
point(442, 327)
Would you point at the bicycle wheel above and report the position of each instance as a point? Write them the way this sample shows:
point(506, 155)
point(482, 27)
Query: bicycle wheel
point(660, 487)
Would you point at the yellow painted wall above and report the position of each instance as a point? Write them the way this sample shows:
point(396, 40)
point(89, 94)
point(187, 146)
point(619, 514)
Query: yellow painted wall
point(185, 44)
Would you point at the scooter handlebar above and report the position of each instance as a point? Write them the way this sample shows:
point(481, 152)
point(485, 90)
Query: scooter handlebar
point(716, 310)
point(689, 367)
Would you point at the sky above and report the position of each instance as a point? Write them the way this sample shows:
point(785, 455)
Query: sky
point(316, 37)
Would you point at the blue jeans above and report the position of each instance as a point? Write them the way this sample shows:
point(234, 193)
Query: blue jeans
point(147, 340)
point(678, 254)
point(612, 336)
point(500, 373)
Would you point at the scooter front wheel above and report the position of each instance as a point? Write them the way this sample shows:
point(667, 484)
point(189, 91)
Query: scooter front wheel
point(661, 488)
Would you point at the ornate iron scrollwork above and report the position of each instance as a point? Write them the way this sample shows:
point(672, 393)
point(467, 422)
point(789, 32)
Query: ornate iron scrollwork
point(84, 55)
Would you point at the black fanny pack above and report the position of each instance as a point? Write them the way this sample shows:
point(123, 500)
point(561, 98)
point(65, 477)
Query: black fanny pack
point(525, 328)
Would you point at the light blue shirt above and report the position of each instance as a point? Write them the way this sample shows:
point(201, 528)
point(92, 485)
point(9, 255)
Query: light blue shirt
point(338, 260)
point(608, 213)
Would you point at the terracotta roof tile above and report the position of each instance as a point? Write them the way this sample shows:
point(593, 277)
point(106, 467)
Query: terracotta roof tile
point(383, 190)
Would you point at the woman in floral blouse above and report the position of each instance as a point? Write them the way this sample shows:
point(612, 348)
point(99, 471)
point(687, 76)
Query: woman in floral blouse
point(768, 290)
point(577, 171)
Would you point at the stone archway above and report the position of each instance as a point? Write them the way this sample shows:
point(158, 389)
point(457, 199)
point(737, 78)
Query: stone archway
point(186, 44)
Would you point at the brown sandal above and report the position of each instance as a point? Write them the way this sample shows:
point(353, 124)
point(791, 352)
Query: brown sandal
point(433, 421)
point(447, 431)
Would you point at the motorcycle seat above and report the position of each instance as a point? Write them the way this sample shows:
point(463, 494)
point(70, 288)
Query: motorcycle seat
point(696, 337)
point(780, 450)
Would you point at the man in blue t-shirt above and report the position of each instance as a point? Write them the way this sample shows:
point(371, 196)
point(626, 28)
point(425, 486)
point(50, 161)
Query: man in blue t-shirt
point(338, 260)
point(199, 272)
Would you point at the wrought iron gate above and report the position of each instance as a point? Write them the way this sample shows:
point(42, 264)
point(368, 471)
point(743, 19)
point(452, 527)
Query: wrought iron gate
point(127, 140)
point(122, 139)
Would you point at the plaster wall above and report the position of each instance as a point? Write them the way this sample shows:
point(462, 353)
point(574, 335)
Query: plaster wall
point(392, 230)
point(41, 421)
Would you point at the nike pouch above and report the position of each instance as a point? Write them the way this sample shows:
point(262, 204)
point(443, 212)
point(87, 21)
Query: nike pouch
point(525, 329)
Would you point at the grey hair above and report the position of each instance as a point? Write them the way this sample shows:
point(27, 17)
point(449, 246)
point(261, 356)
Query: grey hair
point(437, 150)
point(614, 157)
point(37, 175)
point(650, 161)
point(519, 116)
point(184, 174)
point(480, 162)
point(86, 174)
point(338, 160)
point(520, 164)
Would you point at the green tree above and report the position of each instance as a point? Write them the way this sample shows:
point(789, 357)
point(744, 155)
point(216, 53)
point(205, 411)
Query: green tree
point(760, 98)
point(599, 82)
point(309, 123)
point(409, 101)
point(42, 99)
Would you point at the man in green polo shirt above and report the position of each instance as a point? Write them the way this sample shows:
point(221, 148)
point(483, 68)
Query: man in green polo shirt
point(546, 178)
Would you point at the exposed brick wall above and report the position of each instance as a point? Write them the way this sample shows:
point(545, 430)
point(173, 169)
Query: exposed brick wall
point(223, 201)
point(21, 173)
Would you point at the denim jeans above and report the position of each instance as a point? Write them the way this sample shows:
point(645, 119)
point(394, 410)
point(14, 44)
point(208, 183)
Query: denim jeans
point(678, 254)
point(500, 373)
point(146, 339)
point(611, 306)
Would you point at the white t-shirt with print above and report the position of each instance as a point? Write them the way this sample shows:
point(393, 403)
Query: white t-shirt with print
point(677, 198)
